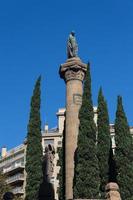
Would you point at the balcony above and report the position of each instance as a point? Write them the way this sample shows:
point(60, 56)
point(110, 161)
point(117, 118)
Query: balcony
point(18, 190)
point(15, 179)
point(11, 159)
point(14, 168)
point(15, 150)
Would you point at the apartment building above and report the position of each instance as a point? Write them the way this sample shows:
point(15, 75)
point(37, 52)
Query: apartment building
point(112, 134)
point(12, 162)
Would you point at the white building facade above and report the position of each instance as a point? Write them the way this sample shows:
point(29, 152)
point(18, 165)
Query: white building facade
point(12, 162)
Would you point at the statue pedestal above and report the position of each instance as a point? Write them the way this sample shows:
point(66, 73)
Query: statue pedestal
point(73, 72)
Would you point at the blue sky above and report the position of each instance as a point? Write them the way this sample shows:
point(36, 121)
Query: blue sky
point(33, 35)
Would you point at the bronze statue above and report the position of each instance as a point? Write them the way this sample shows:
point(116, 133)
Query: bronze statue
point(72, 47)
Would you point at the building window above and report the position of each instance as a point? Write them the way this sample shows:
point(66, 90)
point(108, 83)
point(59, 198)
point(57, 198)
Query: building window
point(48, 141)
point(59, 142)
point(113, 141)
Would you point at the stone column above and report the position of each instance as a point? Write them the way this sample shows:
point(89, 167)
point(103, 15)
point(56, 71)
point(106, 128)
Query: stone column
point(73, 72)
point(112, 191)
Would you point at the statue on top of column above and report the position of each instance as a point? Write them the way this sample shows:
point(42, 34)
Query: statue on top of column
point(72, 46)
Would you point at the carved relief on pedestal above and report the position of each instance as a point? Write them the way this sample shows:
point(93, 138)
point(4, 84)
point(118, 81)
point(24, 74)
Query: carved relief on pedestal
point(77, 99)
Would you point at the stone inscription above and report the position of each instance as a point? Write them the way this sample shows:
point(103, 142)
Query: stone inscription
point(77, 99)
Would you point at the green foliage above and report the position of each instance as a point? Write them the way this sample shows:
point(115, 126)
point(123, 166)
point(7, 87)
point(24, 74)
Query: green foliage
point(103, 142)
point(34, 147)
point(123, 153)
point(86, 177)
point(61, 163)
point(4, 187)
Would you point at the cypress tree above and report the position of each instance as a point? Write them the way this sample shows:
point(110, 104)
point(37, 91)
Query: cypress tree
point(103, 142)
point(86, 179)
point(34, 147)
point(123, 153)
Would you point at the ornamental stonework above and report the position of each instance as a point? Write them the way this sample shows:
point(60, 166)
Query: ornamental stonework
point(73, 69)
point(74, 75)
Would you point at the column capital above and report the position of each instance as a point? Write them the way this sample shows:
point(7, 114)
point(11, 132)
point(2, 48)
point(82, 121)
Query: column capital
point(73, 69)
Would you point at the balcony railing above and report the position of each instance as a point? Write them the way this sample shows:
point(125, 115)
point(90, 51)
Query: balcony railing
point(13, 167)
point(11, 159)
point(15, 178)
point(15, 150)
point(18, 190)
